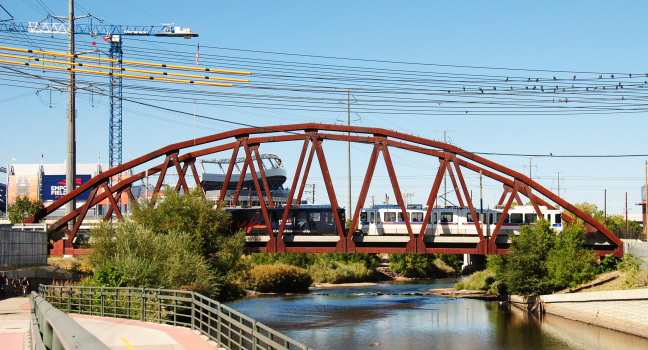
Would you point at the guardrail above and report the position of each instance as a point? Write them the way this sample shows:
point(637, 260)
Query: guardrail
point(54, 330)
point(221, 324)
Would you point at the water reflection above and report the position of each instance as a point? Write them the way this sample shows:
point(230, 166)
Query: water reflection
point(347, 318)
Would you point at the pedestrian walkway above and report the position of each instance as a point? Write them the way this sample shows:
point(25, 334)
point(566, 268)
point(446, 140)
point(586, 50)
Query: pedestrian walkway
point(117, 334)
point(14, 322)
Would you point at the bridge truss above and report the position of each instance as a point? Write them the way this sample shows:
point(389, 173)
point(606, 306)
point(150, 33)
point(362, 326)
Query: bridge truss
point(452, 160)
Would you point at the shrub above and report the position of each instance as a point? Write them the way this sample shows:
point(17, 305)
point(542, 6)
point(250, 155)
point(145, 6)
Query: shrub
point(629, 262)
point(569, 264)
point(524, 270)
point(608, 263)
point(277, 278)
point(480, 280)
point(637, 279)
point(303, 260)
point(370, 261)
point(422, 265)
point(110, 277)
point(327, 271)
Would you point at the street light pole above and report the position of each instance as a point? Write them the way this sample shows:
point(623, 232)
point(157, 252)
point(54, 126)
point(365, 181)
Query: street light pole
point(70, 172)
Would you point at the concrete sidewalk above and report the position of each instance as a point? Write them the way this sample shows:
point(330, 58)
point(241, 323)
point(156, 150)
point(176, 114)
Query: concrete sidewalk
point(118, 334)
point(14, 322)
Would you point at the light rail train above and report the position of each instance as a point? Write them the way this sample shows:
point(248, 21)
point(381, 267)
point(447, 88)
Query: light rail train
point(388, 220)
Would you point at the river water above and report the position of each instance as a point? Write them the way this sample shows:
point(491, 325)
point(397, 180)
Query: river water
point(354, 317)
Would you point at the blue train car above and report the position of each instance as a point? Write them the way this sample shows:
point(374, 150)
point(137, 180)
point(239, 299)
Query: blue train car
point(304, 220)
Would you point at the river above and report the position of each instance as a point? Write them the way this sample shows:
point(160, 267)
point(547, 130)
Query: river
point(354, 317)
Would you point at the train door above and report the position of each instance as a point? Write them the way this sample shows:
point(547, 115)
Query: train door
point(374, 220)
point(328, 223)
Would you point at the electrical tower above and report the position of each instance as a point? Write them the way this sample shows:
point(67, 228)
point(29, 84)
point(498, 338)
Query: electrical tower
point(112, 34)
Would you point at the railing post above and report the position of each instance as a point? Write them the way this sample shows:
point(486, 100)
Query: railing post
point(254, 338)
point(218, 325)
point(193, 311)
point(56, 342)
point(103, 302)
point(143, 306)
point(69, 299)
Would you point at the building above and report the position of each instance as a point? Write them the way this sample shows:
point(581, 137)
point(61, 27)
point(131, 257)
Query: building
point(48, 182)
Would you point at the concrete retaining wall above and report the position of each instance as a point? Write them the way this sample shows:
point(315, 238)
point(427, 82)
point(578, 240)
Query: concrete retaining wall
point(622, 310)
point(22, 248)
point(638, 248)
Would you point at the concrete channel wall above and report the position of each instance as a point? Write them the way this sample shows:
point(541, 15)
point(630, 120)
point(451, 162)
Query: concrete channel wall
point(22, 248)
point(622, 310)
point(638, 248)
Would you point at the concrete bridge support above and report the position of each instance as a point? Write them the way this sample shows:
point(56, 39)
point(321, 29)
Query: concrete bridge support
point(472, 263)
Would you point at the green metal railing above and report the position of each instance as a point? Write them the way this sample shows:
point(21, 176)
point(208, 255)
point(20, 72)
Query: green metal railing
point(221, 324)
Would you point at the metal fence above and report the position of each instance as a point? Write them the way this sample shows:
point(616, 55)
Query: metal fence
point(52, 329)
point(22, 248)
point(221, 324)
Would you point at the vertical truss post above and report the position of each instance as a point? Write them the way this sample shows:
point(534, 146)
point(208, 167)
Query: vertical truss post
point(232, 163)
point(239, 185)
point(533, 199)
point(328, 183)
point(281, 246)
point(305, 177)
point(263, 177)
point(476, 219)
point(192, 164)
point(492, 246)
point(454, 182)
point(181, 177)
point(84, 211)
point(248, 155)
point(173, 155)
point(113, 204)
point(420, 245)
point(371, 167)
point(399, 196)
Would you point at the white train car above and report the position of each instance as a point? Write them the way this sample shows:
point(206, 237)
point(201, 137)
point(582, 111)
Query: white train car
point(388, 220)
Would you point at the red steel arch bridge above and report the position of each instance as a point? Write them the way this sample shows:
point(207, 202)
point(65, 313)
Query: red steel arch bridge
point(451, 160)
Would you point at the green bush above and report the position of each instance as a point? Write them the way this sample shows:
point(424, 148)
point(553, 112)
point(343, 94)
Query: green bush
point(422, 265)
point(629, 262)
point(608, 263)
point(277, 278)
point(524, 270)
point(327, 271)
point(569, 264)
point(110, 277)
point(303, 260)
point(370, 261)
point(637, 279)
point(480, 280)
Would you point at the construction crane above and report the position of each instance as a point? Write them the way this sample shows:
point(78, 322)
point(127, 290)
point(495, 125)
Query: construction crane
point(112, 34)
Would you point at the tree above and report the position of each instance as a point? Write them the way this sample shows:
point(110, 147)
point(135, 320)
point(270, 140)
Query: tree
point(589, 209)
point(570, 264)
point(524, 270)
point(23, 208)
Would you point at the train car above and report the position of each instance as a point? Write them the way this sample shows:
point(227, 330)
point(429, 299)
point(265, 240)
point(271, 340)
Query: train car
point(388, 220)
point(303, 220)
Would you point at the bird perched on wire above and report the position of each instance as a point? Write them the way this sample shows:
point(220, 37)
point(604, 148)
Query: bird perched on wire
point(574, 77)
point(506, 79)
point(464, 88)
point(600, 76)
point(554, 78)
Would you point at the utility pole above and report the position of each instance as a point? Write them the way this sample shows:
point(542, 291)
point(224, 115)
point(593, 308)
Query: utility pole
point(558, 181)
point(605, 207)
point(530, 158)
point(481, 201)
point(312, 192)
point(372, 201)
point(70, 171)
point(645, 220)
point(445, 187)
point(626, 214)
point(348, 157)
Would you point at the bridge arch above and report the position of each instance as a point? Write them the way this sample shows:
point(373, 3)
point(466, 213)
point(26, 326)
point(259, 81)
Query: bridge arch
point(452, 159)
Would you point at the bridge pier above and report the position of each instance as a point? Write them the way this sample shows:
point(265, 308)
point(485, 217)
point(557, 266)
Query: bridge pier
point(472, 263)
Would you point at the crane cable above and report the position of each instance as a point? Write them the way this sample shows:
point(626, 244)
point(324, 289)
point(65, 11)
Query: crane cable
point(122, 69)
point(49, 53)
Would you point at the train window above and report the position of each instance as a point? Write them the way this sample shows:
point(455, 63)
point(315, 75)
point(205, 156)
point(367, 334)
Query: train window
point(490, 218)
point(558, 218)
point(301, 216)
point(446, 217)
point(328, 218)
point(469, 217)
point(372, 217)
point(314, 217)
point(390, 217)
point(417, 217)
point(529, 218)
point(506, 219)
point(549, 217)
point(435, 218)
point(377, 217)
point(400, 217)
point(363, 216)
point(517, 218)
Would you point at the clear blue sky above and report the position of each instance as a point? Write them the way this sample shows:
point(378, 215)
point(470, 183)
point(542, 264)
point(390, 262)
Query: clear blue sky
point(592, 36)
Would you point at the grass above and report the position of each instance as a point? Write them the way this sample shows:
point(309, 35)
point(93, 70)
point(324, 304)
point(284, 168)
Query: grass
point(480, 280)
point(277, 278)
